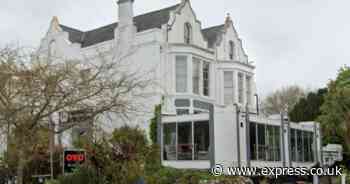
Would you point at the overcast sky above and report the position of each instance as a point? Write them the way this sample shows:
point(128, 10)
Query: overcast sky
point(301, 42)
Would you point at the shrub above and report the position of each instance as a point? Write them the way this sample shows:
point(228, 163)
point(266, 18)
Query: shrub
point(84, 175)
point(52, 182)
point(154, 124)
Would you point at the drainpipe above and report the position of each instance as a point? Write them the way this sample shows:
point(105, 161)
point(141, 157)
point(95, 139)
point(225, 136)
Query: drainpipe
point(283, 140)
point(257, 104)
point(247, 128)
point(289, 145)
point(238, 135)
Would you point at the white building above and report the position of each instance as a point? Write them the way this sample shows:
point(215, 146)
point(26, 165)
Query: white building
point(206, 85)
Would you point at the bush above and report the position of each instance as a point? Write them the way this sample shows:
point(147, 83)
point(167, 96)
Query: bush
point(52, 182)
point(84, 175)
point(154, 124)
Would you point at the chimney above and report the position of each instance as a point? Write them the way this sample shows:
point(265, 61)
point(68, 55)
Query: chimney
point(126, 30)
point(126, 12)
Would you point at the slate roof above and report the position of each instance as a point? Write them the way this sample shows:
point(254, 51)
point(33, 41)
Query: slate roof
point(143, 22)
point(212, 34)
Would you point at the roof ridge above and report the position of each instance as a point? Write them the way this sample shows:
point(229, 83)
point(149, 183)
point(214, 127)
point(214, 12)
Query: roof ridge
point(152, 12)
point(163, 9)
point(105, 26)
point(149, 20)
point(212, 27)
point(74, 29)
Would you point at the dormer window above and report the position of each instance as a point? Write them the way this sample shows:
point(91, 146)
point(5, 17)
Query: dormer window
point(232, 50)
point(188, 33)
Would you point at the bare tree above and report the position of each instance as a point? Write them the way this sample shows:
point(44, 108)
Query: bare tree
point(33, 88)
point(283, 99)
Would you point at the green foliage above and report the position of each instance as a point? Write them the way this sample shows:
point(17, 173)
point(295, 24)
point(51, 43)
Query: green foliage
point(155, 173)
point(84, 175)
point(152, 160)
point(166, 175)
point(52, 182)
point(154, 123)
point(120, 159)
point(335, 117)
point(37, 155)
point(309, 108)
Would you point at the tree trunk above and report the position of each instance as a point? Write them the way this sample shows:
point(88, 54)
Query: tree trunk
point(20, 167)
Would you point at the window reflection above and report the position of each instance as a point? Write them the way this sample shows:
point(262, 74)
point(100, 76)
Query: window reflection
point(201, 140)
point(169, 141)
point(265, 142)
point(302, 145)
point(184, 145)
point(180, 144)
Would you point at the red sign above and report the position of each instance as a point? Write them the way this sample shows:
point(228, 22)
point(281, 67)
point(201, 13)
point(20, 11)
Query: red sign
point(72, 160)
point(75, 157)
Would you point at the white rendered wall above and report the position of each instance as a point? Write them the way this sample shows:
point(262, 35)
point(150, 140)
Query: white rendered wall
point(183, 15)
point(225, 136)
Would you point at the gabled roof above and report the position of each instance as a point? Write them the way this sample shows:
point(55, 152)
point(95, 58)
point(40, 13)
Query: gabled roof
point(143, 22)
point(212, 34)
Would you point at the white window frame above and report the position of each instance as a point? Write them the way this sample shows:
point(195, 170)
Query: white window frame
point(232, 99)
point(178, 88)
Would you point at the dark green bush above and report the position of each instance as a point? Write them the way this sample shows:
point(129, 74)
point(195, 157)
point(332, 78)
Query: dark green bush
point(84, 175)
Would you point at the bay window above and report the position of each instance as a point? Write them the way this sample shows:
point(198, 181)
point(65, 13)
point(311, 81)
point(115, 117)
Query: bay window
point(228, 87)
point(248, 90)
point(206, 81)
point(240, 88)
point(181, 74)
point(195, 75)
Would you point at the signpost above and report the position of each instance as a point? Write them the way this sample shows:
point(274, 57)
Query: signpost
point(72, 159)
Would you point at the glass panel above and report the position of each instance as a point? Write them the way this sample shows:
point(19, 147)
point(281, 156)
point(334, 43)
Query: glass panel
point(249, 90)
point(198, 112)
point(184, 141)
point(277, 143)
point(311, 144)
point(206, 81)
point(188, 33)
point(253, 145)
point(232, 50)
point(293, 147)
point(169, 141)
point(181, 74)
point(195, 75)
point(306, 146)
point(201, 140)
point(240, 88)
point(270, 143)
point(261, 142)
point(228, 87)
point(182, 111)
point(299, 146)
